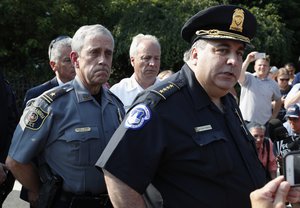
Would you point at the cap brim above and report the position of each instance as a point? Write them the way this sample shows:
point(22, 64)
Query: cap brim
point(247, 44)
point(291, 116)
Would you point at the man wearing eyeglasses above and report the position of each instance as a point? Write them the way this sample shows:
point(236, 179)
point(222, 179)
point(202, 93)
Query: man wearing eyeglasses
point(264, 147)
point(258, 91)
point(60, 62)
point(282, 79)
point(144, 54)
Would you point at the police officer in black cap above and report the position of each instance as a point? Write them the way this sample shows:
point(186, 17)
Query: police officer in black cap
point(186, 135)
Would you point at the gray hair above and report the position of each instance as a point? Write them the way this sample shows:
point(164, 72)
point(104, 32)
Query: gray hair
point(88, 30)
point(200, 44)
point(56, 46)
point(186, 55)
point(254, 125)
point(136, 40)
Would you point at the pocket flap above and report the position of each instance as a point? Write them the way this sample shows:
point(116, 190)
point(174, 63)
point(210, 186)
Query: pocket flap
point(80, 134)
point(207, 137)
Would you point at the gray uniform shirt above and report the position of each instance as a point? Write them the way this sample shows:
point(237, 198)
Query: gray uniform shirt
point(69, 133)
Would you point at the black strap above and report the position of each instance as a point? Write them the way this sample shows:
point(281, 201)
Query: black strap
point(267, 143)
point(149, 97)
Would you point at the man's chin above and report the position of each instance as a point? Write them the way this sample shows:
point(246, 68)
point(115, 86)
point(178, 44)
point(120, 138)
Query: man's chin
point(100, 81)
point(227, 86)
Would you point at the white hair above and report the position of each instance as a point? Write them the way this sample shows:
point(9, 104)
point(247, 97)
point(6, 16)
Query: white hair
point(136, 40)
point(88, 30)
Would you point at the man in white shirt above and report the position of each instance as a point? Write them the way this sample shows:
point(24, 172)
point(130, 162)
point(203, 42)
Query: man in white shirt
point(258, 91)
point(145, 55)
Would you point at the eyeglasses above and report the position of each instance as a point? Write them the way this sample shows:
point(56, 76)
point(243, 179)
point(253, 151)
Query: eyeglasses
point(59, 38)
point(284, 80)
point(258, 136)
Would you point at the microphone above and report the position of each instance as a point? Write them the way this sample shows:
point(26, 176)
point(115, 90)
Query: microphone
point(277, 131)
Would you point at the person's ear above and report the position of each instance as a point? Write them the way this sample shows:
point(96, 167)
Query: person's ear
point(194, 56)
point(74, 59)
point(52, 65)
point(132, 61)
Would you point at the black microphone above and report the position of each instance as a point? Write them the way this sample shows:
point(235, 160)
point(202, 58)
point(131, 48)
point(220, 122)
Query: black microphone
point(277, 131)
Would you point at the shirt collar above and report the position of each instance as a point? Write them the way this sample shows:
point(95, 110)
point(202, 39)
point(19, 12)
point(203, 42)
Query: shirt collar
point(59, 82)
point(134, 84)
point(198, 94)
point(83, 95)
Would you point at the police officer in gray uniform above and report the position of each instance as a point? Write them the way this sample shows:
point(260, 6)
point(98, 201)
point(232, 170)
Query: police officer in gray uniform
point(68, 126)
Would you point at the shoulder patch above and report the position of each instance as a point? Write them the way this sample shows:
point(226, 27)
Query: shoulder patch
point(138, 117)
point(51, 95)
point(35, 118)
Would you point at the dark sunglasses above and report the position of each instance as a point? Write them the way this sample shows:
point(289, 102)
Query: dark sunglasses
point(284, 79)
point(59, 38)
point(293, 119)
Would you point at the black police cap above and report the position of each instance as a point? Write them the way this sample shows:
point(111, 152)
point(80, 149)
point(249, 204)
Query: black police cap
point(220, 22)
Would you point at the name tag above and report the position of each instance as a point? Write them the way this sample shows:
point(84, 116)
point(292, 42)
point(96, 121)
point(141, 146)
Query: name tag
point(83, 129)
point(203, 128)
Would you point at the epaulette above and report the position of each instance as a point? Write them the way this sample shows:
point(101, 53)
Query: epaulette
point(55, 93)
point(160, 92)
point(167, 89)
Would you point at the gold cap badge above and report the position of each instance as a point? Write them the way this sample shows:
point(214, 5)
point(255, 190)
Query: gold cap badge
point(237, 20)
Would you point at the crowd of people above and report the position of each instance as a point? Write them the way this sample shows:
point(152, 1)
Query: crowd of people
point(155, 139)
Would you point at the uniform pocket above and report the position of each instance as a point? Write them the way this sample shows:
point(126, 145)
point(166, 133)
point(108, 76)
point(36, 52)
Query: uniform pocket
point(208, 137)
point(79, 145)
point(214, 151)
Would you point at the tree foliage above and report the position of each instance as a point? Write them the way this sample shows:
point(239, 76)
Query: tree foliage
point(163, 19)
point(28, 26)
point(272, 35)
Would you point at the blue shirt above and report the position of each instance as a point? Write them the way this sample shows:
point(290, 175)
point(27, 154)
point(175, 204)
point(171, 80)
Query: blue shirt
point(69, 132)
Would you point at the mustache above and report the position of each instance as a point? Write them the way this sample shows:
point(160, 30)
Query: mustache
point(103, 68)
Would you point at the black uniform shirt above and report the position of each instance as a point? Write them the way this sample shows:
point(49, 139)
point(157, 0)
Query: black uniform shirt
point(194, 154)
